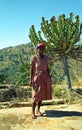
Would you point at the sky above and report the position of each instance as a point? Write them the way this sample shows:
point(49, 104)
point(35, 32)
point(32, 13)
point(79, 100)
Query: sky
point(17, 16)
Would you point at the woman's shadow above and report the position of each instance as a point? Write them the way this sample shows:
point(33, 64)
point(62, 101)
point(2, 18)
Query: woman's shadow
point(57, 113)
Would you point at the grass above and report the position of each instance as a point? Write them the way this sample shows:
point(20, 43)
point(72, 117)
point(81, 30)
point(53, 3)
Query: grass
point(68, 96)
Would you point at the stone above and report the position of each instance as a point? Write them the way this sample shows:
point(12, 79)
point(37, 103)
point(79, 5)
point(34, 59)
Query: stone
point(58, 117)
point(4, 127)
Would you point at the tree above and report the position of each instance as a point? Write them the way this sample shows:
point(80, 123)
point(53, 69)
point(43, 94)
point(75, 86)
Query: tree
point(22, 77)
point(61, 37)
point(2, 78)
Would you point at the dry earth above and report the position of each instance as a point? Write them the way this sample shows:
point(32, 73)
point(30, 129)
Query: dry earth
point(58, 117)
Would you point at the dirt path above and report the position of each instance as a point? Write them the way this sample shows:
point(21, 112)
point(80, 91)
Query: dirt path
point(58, 117)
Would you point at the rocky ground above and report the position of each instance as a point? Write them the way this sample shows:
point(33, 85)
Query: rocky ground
point(57, 117)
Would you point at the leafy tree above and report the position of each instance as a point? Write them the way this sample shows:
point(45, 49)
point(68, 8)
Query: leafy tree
point(61, 37)
point(2, 78)
point(22, 77)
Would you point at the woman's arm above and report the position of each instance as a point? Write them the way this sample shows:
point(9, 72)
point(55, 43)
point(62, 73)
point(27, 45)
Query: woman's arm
point(31, 74)
point(32, 69)
point(48, 70)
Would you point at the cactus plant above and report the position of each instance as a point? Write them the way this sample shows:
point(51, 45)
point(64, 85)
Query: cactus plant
point(61, 37)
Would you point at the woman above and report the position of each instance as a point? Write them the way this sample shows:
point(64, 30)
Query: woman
point(40, 79)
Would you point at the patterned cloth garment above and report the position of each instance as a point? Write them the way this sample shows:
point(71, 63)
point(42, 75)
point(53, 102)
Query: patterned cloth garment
point(42, 84)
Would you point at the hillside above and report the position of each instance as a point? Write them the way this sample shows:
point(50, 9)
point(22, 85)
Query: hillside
point(10, 65)
point(9, 60)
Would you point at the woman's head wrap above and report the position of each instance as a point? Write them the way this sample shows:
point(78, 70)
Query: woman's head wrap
point(40, 45)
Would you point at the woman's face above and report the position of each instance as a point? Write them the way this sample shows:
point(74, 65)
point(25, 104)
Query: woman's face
point(41, 50)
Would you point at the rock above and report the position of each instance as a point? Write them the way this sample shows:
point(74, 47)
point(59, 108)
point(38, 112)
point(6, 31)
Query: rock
point(37, 128)
point(10, 119)
point(4, 127)
point(18, 127)
point(58, 117)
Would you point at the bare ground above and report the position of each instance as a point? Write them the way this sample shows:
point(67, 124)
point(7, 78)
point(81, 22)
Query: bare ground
point(57, 117)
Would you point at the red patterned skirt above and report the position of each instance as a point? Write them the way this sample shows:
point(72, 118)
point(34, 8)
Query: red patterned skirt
point(42, 87)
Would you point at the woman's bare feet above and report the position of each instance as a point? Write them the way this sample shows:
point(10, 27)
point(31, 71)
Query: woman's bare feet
point(33, 116)
point(39, 113)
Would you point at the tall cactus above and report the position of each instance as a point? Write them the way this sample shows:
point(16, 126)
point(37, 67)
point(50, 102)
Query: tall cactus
point(61, 37)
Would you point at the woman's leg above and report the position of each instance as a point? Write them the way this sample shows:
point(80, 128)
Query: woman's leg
point(33, 110)
point(38, 108)
point(39, 105)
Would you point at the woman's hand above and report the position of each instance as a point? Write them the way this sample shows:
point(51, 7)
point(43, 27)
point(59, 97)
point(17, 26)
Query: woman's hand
point(30, 83)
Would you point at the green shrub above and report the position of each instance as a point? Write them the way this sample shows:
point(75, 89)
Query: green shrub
point(57, 92)
point(68, 96)
point(9, 94)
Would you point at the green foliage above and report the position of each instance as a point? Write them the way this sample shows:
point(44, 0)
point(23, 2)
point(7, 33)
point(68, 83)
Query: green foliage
point(2, 78)
point(10, 62)
point(9, 94)
point(60, 36)
point(22, 77)
point(14, 66)
point(22, 93)
point(57, 73)
point(68, 97)
point(57, 92)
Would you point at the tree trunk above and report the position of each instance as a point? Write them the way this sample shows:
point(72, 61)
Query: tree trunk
point(66, 73)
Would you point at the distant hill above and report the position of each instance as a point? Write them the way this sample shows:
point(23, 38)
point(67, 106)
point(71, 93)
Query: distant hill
point(10, 63)
point(9, 60)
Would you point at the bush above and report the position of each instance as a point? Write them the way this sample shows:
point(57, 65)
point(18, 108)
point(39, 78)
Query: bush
point(24, 92)
point(57, 92)
point(68, 96)
point(9, 94)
